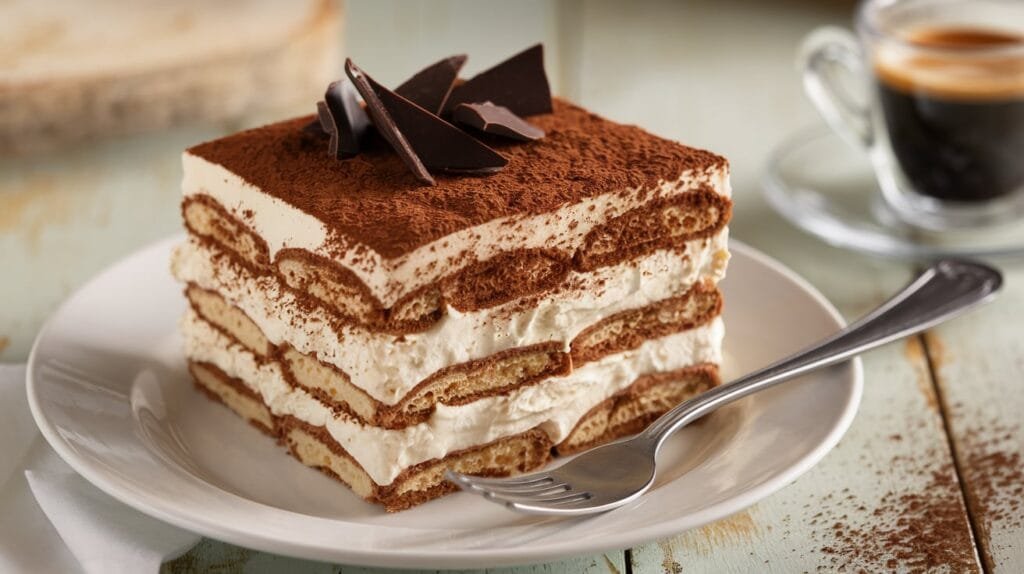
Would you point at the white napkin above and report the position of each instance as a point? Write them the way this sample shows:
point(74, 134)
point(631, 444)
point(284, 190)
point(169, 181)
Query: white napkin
point(52, 520)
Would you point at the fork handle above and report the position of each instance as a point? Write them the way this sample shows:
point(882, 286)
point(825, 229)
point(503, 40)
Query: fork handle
point(944, 290)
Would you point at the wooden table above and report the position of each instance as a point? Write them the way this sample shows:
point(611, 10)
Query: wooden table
point(929, 473)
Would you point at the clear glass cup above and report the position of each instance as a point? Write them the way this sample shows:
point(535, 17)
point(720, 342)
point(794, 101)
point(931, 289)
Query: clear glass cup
point(934, 91)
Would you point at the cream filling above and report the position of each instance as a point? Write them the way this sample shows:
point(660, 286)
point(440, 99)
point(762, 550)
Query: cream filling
point(387, 368)
point(283, 226)
point(555, 405)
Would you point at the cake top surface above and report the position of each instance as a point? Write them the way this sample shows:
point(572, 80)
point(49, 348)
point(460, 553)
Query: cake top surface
point(374, 200)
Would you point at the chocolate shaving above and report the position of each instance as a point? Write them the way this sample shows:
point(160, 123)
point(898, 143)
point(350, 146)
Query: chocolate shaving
point(384, 123)
point(435, 142)
point(409, 119)
point(519, 84)
point(431, 87)
point(497, 120)
point(343, 119)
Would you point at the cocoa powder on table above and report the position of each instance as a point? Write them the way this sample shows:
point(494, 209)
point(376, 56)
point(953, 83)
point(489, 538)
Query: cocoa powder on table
point(993, 470)
point(918, 530)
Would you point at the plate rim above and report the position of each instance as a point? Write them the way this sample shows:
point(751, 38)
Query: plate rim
point(460, 558)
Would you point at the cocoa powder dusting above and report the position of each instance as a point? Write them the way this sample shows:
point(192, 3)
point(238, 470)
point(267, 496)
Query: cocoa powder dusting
point(374, 200)
point(922, 530)
point(994, 474)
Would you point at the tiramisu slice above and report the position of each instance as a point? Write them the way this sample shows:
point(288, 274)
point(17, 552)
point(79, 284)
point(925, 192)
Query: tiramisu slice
point(386, 327)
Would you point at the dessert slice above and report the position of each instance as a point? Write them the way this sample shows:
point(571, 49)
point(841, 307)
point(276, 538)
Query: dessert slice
point(387, 330)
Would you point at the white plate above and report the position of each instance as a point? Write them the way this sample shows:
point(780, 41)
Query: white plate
point(109, 391)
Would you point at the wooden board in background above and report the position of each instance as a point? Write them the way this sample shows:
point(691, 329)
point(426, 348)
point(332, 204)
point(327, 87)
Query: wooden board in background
point(80, 71)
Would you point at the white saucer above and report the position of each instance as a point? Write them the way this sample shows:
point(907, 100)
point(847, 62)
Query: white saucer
point(827, 188)
point(109, 391)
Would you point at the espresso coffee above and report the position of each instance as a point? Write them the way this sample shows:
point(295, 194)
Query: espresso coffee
point(956, 115)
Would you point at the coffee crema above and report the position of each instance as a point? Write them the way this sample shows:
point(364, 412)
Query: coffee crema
point(955, 111)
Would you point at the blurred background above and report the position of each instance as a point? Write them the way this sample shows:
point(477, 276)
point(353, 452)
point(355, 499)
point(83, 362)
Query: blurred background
point(99, 98)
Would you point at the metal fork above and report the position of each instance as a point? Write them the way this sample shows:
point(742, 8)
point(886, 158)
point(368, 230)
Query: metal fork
point(614, 474)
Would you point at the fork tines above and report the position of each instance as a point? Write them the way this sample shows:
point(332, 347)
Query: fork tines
point(521, 492)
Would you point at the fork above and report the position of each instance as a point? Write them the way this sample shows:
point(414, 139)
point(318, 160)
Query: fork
point(617, 473)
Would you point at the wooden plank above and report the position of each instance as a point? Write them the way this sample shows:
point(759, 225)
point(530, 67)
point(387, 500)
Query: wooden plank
point(978, 361)
point(610, 563)
point(158, 65)
point(224, 558)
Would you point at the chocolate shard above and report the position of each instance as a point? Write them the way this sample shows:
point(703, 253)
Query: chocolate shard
point(497, 120)
point(385, 124)
point(431, 86)
point(343, 119)
point(434, 142)
point(439, 144)
point(519, 84)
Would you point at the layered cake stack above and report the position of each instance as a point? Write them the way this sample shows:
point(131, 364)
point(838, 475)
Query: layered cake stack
point(386, 328)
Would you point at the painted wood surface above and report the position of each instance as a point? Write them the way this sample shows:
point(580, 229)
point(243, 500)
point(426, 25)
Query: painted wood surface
point(212, 556)
point(934, 455)
point(979, 369)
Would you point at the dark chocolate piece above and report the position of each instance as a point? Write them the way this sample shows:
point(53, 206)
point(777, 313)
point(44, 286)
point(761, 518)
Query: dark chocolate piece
point(497, 120)
point(439, 144)
point(519, 83)
point(434, 142)
point(343, 119)
point(384, 123)
point(430, 88)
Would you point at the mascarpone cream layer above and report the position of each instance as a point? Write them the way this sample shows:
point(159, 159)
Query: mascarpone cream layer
point(387, 367)
point(283, 226)
point(555, 405)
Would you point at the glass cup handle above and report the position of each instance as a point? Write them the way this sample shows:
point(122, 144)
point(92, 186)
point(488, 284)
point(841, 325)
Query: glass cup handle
point(826, 56)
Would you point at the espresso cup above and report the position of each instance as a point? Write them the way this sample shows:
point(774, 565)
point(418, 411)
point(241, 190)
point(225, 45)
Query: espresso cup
point(940, 104)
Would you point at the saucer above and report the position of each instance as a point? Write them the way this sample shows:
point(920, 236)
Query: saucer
point(827, 188)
